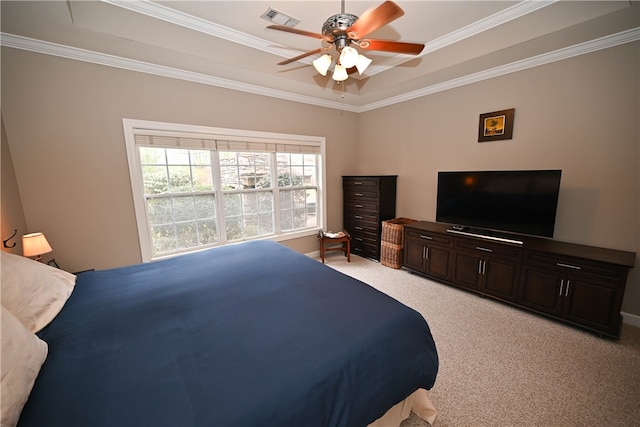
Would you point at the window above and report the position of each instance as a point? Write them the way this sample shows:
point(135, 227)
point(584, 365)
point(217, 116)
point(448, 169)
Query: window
point(195, 187)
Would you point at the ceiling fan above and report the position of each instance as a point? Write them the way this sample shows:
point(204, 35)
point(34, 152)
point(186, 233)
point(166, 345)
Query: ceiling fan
point(344, 29)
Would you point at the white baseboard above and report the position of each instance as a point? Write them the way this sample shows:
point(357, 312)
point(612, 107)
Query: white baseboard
point(631, 319)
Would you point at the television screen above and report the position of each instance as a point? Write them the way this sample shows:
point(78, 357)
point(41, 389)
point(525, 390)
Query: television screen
point(513, 201)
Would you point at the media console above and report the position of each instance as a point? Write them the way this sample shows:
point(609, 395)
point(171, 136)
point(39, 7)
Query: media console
point(577, 284)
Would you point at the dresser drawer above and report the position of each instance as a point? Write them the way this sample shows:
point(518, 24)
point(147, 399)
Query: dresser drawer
point(364, 249)
point(360, 205)
point(358, 216)
point(361, 183)
point(364, 227)
point(429, 237)
point(360, 193)
point(574, 265)
point(476, 246)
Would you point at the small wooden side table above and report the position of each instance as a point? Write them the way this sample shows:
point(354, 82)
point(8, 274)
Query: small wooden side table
point(327, 241)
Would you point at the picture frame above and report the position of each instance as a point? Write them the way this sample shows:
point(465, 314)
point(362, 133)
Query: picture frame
point(497, 125)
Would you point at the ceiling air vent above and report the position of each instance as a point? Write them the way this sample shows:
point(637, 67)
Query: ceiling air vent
point(279, 18)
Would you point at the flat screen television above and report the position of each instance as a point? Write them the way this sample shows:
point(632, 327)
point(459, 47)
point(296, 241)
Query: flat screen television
point(522, 201)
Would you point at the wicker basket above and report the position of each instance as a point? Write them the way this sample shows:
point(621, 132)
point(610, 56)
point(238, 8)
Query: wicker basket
point(393, 230)
point(391, 255)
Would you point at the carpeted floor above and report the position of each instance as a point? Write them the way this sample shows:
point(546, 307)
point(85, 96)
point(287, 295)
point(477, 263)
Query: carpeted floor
point(501, 366)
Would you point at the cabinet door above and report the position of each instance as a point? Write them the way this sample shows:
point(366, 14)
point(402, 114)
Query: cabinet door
point(414, 255)
point(500, 277)
point(540, 289)
point(437, 261)
point(466, 270)
point(591, 302)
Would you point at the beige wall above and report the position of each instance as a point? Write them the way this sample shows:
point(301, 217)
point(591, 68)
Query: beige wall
point(12, 216)
point(580, 115)
point(64, 127)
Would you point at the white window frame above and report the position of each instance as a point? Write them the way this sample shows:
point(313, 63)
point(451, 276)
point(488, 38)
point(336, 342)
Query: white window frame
point(132, 127)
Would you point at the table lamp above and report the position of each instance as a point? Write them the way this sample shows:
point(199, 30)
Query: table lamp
point(34, 245)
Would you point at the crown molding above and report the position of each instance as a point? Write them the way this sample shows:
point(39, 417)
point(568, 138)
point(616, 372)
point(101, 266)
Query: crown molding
point(68, 52)
point(176, 17)
point(535, 61)
point(48, 48)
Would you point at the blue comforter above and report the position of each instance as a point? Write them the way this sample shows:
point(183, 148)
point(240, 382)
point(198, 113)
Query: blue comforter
point(244, 335)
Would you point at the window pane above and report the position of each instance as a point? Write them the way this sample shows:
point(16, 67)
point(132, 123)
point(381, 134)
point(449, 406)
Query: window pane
point(265, 200)
point(163, 237)
point(155, 179)
point(160, 210)
point(180, 179)
point(233, 228)
point(266, 223)
point(202, 178)
point(200, 157)
point(286, 220)
point(186, 234)
point(152, 156)
point(299, 218)
point(207, 232)
point(249, 203)
point(229, 177)
point(184, 208)
point(205, 207)
point(232, 205)
point(177, 156)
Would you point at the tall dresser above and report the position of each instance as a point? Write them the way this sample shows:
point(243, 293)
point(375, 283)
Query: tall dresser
point(368, 200)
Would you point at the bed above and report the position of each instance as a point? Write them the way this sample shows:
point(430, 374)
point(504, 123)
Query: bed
point(242, 335)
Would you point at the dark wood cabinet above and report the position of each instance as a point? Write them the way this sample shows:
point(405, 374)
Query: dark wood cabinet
point(428, 253)
point(368, 200)
point(580, 291)
point(487, 267)
point(577, 284)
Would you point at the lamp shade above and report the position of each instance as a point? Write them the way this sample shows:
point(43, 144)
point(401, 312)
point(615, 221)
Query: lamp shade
point(35, 244)
point(322, 64)
point(348, 57)
point(362, 64)
point(339, 73)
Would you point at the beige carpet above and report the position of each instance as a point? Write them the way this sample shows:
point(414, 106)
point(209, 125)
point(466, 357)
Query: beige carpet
point(501, 366)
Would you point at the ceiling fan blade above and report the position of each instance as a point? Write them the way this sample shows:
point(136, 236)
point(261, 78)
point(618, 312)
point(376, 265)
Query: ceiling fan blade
point(304, 55)
point(373, 19)
point(300, 32)
point(392, 46)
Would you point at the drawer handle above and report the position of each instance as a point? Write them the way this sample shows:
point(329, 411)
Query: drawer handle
point(575, 267)
point(359, 194)
point(359, 239)
point(358, 206)
point(480, 248)
point(358, 228)
point(422, 236)
point(358, 217)
point(561, 286)
point(358, 183)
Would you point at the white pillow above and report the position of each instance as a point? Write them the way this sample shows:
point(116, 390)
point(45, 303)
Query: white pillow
point(32, 291)
point(23, 354)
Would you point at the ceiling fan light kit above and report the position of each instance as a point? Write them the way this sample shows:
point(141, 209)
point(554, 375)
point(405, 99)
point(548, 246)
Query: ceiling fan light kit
point(339, 73)
point(322, 64)
point(342, 29)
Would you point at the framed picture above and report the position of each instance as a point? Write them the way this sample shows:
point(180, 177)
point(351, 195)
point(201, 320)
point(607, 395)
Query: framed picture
point(496, 125)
